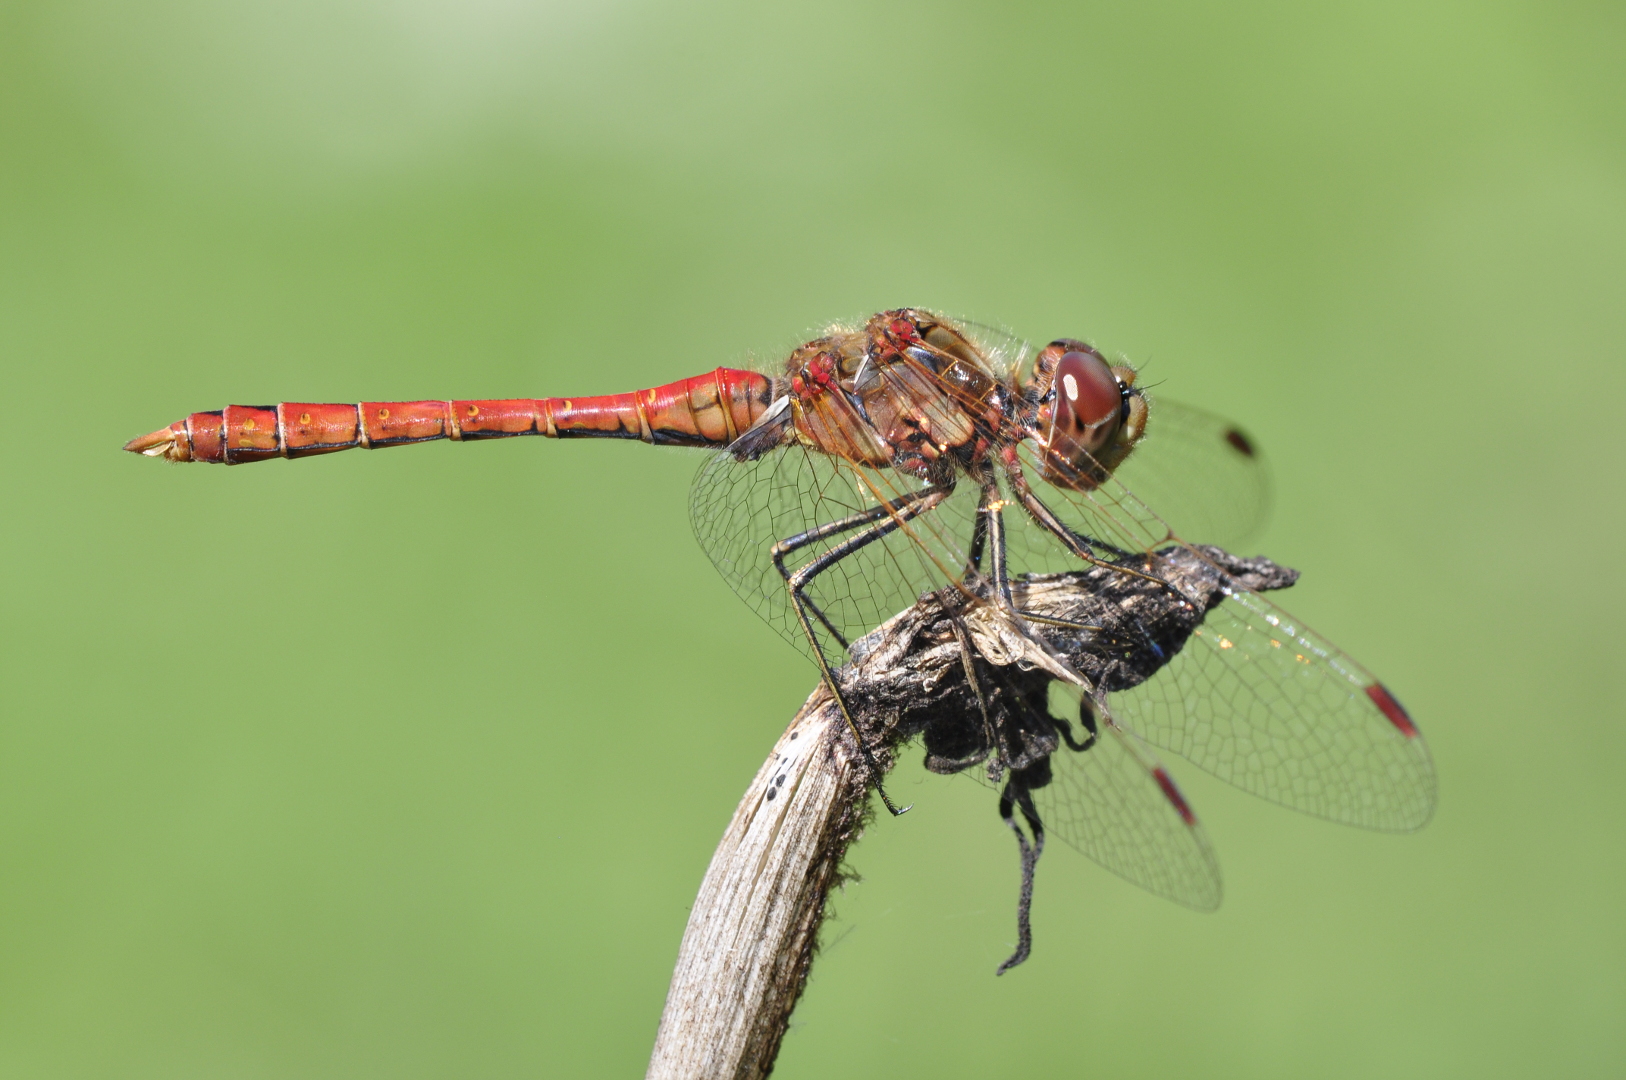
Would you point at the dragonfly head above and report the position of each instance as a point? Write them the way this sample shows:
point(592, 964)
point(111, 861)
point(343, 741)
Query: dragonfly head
point(1090, 414)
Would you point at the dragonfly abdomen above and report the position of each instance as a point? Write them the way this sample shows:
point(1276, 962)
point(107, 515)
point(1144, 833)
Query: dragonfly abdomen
point(707, 410)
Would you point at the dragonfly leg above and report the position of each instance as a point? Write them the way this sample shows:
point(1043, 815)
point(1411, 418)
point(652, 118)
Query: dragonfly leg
point(1017, 795)
point(1082, 546)
point(994, 512)
point(990, 529)
point(1076, 542)
point(979, 532)
point(991, 518)
point(968, 662)
point(899, 509)
point(1080, 543)
point(878, 523)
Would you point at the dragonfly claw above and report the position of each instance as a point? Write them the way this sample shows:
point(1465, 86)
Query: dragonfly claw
point(890, 807)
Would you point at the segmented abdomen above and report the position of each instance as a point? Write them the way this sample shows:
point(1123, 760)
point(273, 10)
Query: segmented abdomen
point(707, 410)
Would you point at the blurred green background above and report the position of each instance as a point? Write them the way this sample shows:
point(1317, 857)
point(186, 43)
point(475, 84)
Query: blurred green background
point(409, 764)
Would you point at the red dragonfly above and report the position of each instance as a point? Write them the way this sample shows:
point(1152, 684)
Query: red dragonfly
point(916, 453)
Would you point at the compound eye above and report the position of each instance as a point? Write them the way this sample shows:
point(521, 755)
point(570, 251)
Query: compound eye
point(1089, 401)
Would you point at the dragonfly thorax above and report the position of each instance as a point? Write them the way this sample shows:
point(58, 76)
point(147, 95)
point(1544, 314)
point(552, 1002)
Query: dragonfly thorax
point(913, 393)
point(906, 392)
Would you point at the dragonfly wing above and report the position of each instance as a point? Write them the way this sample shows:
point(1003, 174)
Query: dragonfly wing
point(1116, 804)
point(897, 536)
point(741, 509)
point(1260, 700)
point(1203, 473)
point(1266, 704)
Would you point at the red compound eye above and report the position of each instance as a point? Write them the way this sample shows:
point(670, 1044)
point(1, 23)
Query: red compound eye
point(1089, 401)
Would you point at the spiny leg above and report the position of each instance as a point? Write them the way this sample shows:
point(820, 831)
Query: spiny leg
point(1077, 543)
point(979, 532)
point(835, 528)
point(1081, 544)
point(992, 520)
point(969, 663)
point(990, 529)
point(895, 514)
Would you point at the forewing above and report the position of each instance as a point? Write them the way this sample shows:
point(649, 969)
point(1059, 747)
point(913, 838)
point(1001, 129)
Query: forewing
point(1115, 803)
point(1266, 704)
point(1203, 473)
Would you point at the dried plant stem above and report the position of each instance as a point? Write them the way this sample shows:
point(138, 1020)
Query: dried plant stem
point(750, 938)
point(751, 934)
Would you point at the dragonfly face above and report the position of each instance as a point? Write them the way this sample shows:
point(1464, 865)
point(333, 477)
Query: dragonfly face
point(1090, 415)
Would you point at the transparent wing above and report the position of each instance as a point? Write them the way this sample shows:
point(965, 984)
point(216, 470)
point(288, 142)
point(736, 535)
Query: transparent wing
point(1117, 805)
point(1255, 698)
point(1203, 473)
point(741, 509)
point(1266, 704)
point(1259, 699)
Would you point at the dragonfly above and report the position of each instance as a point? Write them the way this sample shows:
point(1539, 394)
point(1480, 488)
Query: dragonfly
point(913, 454)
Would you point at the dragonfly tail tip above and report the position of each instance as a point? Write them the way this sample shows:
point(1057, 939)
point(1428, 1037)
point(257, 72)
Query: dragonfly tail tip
point(161, 443)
